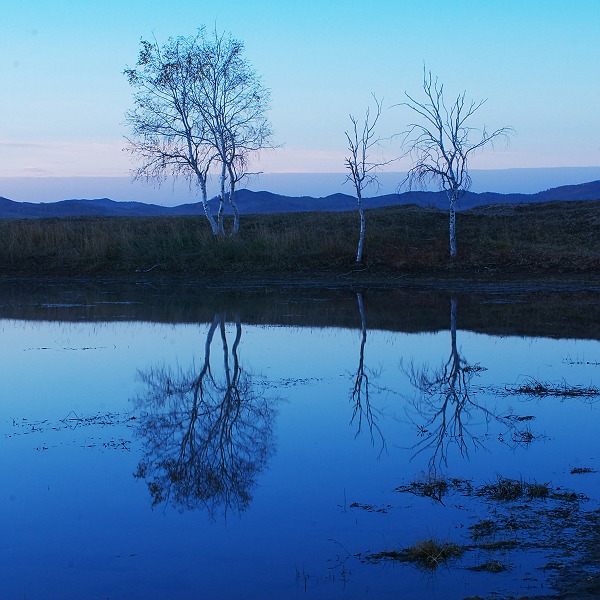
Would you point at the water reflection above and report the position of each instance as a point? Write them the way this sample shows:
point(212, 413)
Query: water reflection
point(205, 440)
point(363, 411)
point(444, 411)
point(206, 437)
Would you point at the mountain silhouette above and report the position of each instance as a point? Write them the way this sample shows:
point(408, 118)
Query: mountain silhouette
point(263, 202)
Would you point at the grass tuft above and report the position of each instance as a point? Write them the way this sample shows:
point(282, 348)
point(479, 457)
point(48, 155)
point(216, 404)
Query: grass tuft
point(506, 490)
point(428, 554)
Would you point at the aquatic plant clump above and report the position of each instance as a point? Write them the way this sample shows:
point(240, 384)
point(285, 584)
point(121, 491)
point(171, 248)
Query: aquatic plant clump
point(506, 489)
point(582, 470)
point(428, 554)
point(521, 516)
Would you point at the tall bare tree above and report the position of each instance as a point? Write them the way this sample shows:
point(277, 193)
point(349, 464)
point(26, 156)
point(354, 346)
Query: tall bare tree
point(441, 144)
point(169, 132)
point(361, 141)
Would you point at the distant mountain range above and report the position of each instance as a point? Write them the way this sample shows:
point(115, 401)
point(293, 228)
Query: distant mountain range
point(265, 202)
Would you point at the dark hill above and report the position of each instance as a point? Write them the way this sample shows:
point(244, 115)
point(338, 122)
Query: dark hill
point(263, 202)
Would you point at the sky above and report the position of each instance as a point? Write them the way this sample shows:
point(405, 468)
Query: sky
point(64, 95)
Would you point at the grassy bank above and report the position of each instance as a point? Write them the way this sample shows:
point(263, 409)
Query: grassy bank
point(544, 239)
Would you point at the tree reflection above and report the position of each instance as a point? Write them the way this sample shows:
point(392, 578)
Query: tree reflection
point(444, 411)
point(362, 409)
point(206, 437)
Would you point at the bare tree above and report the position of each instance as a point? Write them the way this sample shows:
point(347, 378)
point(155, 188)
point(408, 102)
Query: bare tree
point(169, 133)
point(361, 140)
point(198, 103)
point(440, 143)
point(234, 105)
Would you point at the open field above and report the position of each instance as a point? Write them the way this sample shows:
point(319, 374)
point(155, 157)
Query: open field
point(546, 240)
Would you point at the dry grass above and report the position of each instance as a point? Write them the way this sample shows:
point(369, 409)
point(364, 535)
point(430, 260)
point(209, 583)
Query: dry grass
point(543, 238)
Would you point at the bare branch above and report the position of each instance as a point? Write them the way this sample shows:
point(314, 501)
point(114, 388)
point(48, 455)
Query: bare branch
point(440, 142)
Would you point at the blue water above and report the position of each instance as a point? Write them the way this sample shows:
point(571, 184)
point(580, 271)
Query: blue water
point(77, 419)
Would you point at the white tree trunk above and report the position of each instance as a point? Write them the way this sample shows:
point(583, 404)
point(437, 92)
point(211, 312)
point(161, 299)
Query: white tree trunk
point(210, 218)
point(221, 226)
point(361, 237)
point(452, 227)
point(236, 212)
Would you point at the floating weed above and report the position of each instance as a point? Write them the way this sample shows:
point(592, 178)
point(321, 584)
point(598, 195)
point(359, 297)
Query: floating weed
point(432, 553)
point(491, 566)
point(370, 508)
point(484, 528)
point(519, 437)
point(581, 470)
point(538, 490)
point(568, 496)
point(575, 361)
point(503, 489)
point(523, 436)
point(476, 368)
point(519, 418)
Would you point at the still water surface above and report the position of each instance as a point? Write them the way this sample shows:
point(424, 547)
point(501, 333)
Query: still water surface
point(258, 452)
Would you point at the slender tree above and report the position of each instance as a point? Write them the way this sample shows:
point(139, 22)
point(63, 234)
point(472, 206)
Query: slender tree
point(440, 143)
point(361, 140)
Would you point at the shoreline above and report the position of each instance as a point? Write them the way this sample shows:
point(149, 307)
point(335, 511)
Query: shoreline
point(502, 283)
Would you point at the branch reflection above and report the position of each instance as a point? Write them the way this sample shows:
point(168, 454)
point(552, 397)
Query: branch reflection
point(206, 437)
point(445, 411)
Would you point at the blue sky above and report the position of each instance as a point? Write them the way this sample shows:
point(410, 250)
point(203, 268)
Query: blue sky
point(64, 96)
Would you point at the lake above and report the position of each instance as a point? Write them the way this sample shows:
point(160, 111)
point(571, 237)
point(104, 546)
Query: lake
point(182, 442)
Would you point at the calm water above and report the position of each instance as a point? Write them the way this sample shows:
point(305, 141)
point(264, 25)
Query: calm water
point(253, 446)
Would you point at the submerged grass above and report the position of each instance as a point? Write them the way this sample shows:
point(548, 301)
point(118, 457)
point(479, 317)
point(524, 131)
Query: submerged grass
point(555, 237)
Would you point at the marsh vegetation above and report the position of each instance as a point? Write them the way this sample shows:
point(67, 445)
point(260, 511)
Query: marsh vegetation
point(519, 240)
